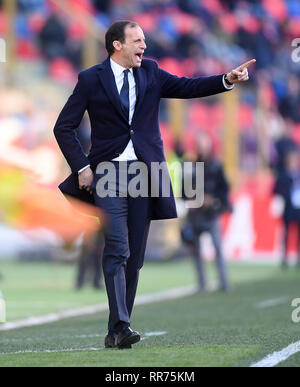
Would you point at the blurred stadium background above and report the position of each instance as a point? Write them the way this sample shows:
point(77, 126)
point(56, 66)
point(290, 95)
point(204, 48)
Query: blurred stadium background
point(45, 43)
point(48, 42)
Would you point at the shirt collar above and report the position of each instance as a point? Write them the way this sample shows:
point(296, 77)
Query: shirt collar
point(118, 69)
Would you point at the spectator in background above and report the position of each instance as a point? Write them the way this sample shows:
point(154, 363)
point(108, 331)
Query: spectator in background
point(287, 186)
point(90, 259)
point(84, 134)
point(289, 106)
point(283, 146)
point(90, 262)
point(53, 37)
point(55, 42)
point(206, 218)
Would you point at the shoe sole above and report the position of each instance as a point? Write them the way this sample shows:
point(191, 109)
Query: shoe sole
point(110, 346)
point(126, 346)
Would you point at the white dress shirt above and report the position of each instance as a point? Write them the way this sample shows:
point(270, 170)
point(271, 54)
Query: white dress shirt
point(118, 71)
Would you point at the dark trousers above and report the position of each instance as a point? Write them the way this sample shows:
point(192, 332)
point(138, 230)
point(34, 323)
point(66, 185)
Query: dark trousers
point(125, 243)
point(286, 228)
point(90, 261)
point(213, 228)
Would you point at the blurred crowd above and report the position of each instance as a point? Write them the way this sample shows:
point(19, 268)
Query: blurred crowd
point(187, 37)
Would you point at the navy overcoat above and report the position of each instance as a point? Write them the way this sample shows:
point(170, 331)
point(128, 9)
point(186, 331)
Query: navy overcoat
point(96, 92)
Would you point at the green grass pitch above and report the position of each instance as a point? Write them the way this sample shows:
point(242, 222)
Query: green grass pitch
point(206, 329)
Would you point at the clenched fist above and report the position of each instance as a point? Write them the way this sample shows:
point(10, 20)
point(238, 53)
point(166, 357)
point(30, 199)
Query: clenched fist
point(85, 179)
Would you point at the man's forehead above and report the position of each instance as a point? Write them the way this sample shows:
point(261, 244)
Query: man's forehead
point(134, 32)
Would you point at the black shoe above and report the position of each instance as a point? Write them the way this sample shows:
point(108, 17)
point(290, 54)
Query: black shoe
point(127, 337)
point(110, 341)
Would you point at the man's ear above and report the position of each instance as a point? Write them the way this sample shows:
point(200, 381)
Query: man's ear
point(117, 45)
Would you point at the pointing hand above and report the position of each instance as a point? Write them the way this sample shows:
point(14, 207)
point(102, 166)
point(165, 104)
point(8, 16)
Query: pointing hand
point(240, 74)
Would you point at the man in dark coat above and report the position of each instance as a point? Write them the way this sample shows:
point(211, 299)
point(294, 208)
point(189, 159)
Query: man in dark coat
point(122, 97)
point(206, 218)
point(287, 185)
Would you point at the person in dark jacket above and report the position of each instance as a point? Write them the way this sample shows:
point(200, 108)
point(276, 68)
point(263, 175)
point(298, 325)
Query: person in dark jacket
point(287, 185)
point(284, 145)
point(206, 217)
point(53, 37)
point(90, 262)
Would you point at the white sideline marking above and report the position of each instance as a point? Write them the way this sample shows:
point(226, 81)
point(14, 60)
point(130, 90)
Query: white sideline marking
point(147, 336)
point(270, 303)
point(52, 351)
point(278, 357)
point(151, 334)
point(53, 317)
point(90, 336)
point(87, 310)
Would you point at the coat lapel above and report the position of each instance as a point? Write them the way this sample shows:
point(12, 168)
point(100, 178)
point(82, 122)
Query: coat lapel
point(107, 79)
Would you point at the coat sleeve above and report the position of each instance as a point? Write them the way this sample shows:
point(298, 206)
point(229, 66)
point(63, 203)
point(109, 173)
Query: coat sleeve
point(183, 88)
point(67, 122)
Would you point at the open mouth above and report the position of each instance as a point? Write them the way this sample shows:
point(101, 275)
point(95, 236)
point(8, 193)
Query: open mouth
point(139, 56)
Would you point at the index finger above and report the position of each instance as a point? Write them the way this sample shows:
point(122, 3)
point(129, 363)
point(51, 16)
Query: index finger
point(247, 64)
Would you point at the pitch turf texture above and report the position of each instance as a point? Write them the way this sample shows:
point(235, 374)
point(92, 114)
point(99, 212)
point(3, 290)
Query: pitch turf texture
point(207, 329)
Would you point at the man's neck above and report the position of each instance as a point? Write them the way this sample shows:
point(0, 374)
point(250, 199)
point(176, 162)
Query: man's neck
point(119, 61)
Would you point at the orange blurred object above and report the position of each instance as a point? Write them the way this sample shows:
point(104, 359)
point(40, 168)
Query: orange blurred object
point(26, 205)
point(45, 208)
